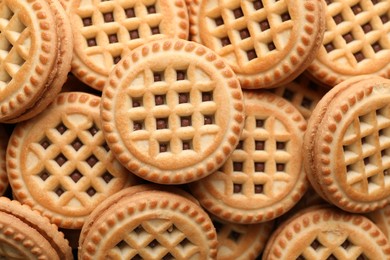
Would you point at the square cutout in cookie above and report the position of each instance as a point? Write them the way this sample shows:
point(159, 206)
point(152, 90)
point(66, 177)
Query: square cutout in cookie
point(184, 98)
point(306, 102)
point(45, 143)
point(264, 25)
point(207, 96)
point(244, 33)
point(151, 9)
point(218, 21)
point(181, 74)
point(260, 123)
point(91, 191)
point(44, 175)
point(134, 34)
point(164, 147)
point(75, 176)
point(259, 145)
point(113, 38)
point(238, 166)
point(385, 18)
point(185, 121)
point(162, 123)
point(137, 101)
point(240, 145)
point(259, 188)
point(187, 144)
point(376, 46)
point(160, 100)
point(61, 128)
point(87, 21)
point(158, 76)
point(281, 145)
point(225, 41)
point(138, 125)
point(92, 160)
point(107, 177)
point(329, 47)
point(208, 119)
point(285, 16)
point(357, 8)
point(280, 167)
point(258, 4)
point(271, 46)
point(130, 12)
point(359, 56)
point(259, 166)
point(108, 17)
point(238, 13)
point(367, 27)
point(338, 18)
point(116, 59)
point(237, 188)
point(155, 30)
point(91, 42)
point(77, 144)
point(59, 190)
point(234, 236)
point(251, 54)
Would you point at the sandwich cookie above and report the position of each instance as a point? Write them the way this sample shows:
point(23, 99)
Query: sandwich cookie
point(347, 145)
point(267, 43)
point(172, 111)
point(59, 163)
point(106, 31)
point(264, 176)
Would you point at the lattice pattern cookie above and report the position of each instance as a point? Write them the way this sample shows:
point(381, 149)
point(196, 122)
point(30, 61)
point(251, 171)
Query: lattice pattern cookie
point(25, 234)
point(327, 233)
point(347, 146)
point(106, 31)
point(266, 42)
point(172, 111)
point(33, 53)
point(356, 41)
point(149, 225)
point(60, 164)
point(264, 177)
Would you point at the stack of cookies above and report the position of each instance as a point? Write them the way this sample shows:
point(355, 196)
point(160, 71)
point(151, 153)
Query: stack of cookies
point(194, 129)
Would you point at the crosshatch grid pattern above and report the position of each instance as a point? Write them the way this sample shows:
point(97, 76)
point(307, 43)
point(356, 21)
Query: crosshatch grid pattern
point(242, 29)
point(261, 160)
point(111, 30)
point(74, 171)
point(172, 111)
point(15, 40)
point(154, 239)
point(356, 31)
point(367, 151)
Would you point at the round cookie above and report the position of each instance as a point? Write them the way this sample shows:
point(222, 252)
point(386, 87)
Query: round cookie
point(150, 225)
point(59, 163)
point(264, 176)
point(172, 111)
point(3, 170)
point(347, 145)
point(25, 234)
point(106, 31)
point(267, 43)
point(327, 233)
point(356, 41)
point(35, 56)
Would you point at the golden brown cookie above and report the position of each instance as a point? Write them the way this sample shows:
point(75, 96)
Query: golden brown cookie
point(35, 56)
point(59, 162)
point(264, 176)
point(267, 43)
point(239, 241)
point(172, 111)
point(149, 225)
point(347, 144)
point(3, 170)
point(25, 234)
point(106, 31)
point(356, 41)
point(327, 233)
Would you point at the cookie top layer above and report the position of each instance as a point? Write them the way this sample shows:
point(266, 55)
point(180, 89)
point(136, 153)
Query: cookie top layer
point(106, 31)
point(347, 145)
point(356, 41)
point(328, 234)
point(264, 177)
point(25, 234)
point(28, 50)
point(59, 163)
point(172, 111)
point(151, 225)
point(266, 42)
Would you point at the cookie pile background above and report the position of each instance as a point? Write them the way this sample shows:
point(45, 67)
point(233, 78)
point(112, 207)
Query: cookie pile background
point(194, 129)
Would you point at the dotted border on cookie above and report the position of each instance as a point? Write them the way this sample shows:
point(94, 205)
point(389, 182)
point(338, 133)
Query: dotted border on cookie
point(149, 172)
point(95, 79)
point(16, 180)
point(45, 57)
point(324, 159)
point(303, 52)
point(294, 227)
point(259, 215)
point(154, 201)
